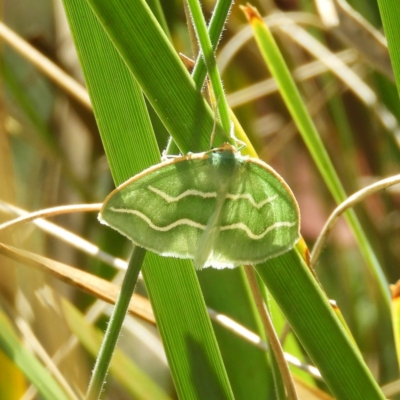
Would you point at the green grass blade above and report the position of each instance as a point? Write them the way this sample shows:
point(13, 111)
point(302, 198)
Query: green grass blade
point(228, 292)
point(210, 61)
point(390, 14)
point(201, 377)
point(159, 72)
point(307, 129)
point(29, 365)
point(134, 380)
point(115, 324)
point(125, 119)
point(158, 13)
point(122, 119)
point(317, 327)
point(215, 29)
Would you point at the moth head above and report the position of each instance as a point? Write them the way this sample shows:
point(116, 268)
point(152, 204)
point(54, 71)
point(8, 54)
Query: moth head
point(225, 147)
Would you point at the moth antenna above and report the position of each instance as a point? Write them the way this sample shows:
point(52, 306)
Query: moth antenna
point(213, 133)
point(215, 110)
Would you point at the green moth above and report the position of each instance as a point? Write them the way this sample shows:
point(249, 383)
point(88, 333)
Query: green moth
point(219, 208)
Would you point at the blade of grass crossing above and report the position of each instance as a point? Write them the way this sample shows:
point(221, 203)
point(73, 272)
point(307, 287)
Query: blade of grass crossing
point(130, 151)
point(159, 72)
point(135, 381)
point(115, 324)
point(310, 315)
point(215, 29)
point(193, 355)
point(123, 122)
point(228, 292)
point(210, 61)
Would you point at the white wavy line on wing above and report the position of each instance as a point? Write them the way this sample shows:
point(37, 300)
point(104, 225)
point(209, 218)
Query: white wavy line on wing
point(189, 192)
point(183, 221)
point(250, 234)
point(205, 195)
point(251, 200)
point(186, 221)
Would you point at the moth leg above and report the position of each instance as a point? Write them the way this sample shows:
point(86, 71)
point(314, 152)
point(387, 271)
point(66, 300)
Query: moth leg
point(164, 155)
point(239, 142)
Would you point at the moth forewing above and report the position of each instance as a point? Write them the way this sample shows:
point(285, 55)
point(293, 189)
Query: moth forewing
point(217, 207)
